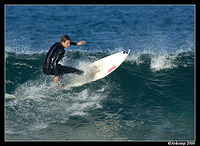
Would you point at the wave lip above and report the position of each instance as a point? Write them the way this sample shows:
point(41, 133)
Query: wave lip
point(157, 62)
point(162, 62)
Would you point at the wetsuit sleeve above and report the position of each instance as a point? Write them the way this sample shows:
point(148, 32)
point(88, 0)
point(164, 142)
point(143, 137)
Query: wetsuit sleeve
point(73, 43)
point(60, 54)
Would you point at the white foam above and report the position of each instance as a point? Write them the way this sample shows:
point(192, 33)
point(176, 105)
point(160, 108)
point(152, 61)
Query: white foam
point(157, 61)
point(9, 96)
point(135, 58)
point(39, 104)
point(164, 61)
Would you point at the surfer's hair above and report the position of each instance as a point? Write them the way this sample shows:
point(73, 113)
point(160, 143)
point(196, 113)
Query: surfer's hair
point(64, 38)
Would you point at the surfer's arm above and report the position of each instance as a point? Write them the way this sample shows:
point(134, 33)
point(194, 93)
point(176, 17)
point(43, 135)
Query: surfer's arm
point(56, 69)
point(56, 79)
point(57, 59)
point(73, 43)
point(79, 43)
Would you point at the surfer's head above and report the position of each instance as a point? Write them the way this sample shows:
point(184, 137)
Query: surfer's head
point(65, 41)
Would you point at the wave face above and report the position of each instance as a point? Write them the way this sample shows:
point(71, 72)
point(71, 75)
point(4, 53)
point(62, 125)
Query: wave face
point(149, 97)
point(147, 89)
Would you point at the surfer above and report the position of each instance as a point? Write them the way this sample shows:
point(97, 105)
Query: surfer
point(54, 55)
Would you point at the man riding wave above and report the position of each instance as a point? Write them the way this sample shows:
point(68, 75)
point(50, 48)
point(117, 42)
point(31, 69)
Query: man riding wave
point(55, 54)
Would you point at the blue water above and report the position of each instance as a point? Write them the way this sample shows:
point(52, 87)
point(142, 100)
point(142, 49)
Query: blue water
point(149, 97)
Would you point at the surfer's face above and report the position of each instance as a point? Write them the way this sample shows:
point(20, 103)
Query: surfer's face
point(66, 44)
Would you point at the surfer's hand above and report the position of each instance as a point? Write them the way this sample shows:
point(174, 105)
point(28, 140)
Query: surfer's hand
point(80, 43)
point(56, 79)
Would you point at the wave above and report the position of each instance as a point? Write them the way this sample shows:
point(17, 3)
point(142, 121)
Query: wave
point(158, 62)
point(22, 67)
point(137, 57)
point(34, 101)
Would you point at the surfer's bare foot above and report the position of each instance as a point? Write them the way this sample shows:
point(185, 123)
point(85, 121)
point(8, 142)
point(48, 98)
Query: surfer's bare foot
point(93, 71)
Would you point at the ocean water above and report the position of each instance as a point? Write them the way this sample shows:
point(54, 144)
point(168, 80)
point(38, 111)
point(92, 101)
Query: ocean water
point(149, 97)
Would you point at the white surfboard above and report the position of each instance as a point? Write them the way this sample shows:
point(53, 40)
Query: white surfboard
point(99, 69)
point(103, 67)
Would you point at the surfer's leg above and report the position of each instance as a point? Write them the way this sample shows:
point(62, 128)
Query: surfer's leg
point(65, 70)
point(48, 71)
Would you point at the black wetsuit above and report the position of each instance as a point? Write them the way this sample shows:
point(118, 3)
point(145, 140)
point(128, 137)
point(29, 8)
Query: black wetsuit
point(51, 66)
